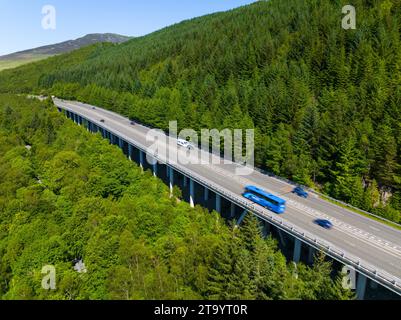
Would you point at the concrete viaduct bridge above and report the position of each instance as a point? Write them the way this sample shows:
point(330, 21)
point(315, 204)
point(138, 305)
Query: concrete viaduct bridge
point(370, 249)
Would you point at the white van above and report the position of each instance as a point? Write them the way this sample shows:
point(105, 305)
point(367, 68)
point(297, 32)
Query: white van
point(185, 144)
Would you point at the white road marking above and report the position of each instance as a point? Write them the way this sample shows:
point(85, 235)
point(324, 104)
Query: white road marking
point(374, 228)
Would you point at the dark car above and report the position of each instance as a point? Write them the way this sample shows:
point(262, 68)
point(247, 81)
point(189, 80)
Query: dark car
point(300, 192)
point(324, 223)
point(93, 108)
point(102, 120)
point(132, 123)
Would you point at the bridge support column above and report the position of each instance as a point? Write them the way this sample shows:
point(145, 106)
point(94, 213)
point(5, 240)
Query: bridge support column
point(185, 182)
point(280, 234)
point(361, 286)
point(297, 250)
point(120, 142)
point(155, 168)
point(129, 152)
point(242, 217)
point(218, 203)
point(232, 210)
point(206, 194)
point(141, 159)
point(265, 229)
point(191, 193)
point(171, 178)
point(311, 254)
point(167, 171)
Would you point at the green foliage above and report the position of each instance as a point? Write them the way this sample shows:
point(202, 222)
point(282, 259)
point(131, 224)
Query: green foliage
point(75, 196)
point(283, 67)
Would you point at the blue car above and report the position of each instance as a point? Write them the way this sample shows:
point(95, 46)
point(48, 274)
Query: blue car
point(300, 192)
point(324, 223)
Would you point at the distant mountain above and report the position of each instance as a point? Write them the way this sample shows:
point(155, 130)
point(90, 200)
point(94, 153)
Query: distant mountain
point(22, 57)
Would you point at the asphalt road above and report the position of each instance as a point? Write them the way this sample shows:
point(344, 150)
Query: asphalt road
point(375, 243)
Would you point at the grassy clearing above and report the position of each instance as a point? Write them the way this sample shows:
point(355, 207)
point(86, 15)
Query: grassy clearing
point(10, 64)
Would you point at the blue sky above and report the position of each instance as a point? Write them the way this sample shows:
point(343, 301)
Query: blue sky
point(21, 20)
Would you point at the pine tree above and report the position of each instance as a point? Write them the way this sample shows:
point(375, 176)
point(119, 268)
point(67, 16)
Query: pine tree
point(385, 167)
point(347, 183)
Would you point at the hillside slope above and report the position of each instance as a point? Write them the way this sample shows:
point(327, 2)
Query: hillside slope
point(19, 58)
point(325, 101)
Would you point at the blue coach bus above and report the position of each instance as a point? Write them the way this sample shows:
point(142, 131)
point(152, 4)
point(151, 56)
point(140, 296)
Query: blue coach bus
point(265, 199)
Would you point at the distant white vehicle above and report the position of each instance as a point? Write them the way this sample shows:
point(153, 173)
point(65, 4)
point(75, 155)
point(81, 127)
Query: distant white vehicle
point(185, 144)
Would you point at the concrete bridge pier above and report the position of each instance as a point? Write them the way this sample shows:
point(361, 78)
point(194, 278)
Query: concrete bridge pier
point(191, 193)
point(129, 152)
point(311, 255)
point(265, 229)
point(361, 286)
point(206, 194)
point(185, 181)
point(171, 180)
point(281, 237)
point(218, 203)
point(154, 167)
point(232, 210)
point(297, 250)
point(242, 217)
point(141, 159)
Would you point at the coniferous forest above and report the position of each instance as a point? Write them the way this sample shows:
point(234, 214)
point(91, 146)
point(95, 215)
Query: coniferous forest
point(326, 106)
point(325, 102)
point(68, 195)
